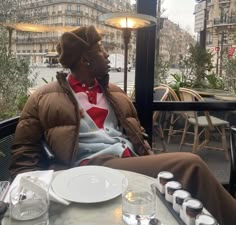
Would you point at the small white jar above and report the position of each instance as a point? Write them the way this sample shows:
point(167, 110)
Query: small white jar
point(162, 178)
point(170, 188)
point(178, 198)
point(190, 209)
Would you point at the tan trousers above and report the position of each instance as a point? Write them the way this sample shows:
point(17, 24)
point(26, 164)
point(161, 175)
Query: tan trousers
point(190, 170)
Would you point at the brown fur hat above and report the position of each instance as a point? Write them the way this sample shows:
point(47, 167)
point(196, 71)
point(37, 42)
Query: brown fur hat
point(73, 44)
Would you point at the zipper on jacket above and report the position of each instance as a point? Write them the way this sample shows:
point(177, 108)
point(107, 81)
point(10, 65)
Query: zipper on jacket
point(61, 77)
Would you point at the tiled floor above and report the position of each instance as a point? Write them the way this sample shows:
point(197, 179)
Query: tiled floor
point(215, 159)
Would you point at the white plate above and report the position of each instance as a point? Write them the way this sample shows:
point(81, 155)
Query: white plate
point(88, 184)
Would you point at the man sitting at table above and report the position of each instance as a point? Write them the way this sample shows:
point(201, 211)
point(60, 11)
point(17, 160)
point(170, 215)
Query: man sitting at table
point(88, 121)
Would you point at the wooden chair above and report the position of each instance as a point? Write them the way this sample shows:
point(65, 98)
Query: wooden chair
point(160, 93)
point(206, 122)
point(172, 116)
point(7, 130)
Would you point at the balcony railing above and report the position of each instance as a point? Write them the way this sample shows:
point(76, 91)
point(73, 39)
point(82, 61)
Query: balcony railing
point(225, 21)
point(72, 24)
point(37, 40)
point(224, 1)
point(73, 12)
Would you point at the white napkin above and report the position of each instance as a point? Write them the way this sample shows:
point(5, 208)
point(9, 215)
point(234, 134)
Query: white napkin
point(46, 176)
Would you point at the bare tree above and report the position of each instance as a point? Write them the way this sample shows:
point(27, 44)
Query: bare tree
point(10, 10)
point(174, 41)
point(161, 68)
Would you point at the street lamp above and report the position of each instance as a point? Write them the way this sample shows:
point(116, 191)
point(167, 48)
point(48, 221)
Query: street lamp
point(127, 22)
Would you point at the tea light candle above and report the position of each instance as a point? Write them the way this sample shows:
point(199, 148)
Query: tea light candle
point(178, 197)
point(162, 178)
point(190, 209)
point(170, 188)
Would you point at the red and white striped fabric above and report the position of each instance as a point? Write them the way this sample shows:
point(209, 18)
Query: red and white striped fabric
point(91, 99)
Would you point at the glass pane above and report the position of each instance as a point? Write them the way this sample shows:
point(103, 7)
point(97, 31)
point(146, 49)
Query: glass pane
point(203, 133)
point(5, 156)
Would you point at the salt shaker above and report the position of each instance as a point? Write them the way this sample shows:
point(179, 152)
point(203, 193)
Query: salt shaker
point(162, 178)
point(170, 188)
point(178, 197)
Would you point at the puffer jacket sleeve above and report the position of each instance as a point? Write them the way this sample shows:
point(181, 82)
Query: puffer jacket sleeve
point(26, 150)
point(135, 124)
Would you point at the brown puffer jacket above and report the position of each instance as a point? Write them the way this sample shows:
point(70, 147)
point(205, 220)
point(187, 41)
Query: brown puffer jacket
point(53, 112)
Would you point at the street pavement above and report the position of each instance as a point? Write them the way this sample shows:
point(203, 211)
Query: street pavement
point(49, 74)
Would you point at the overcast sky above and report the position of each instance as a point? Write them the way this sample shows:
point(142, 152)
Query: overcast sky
point(180, 12)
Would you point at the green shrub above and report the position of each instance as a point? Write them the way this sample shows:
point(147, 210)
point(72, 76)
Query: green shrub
point(214, 81)
point(161, 72)
point(230, 71)
point(15, 79)
point(196, 65)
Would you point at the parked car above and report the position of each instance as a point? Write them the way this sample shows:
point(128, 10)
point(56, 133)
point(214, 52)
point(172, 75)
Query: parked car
point(117, 62)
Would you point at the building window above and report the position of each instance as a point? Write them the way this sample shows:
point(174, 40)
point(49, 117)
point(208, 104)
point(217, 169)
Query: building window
point(60, 8)
point(224, 13)
point(78, 8)
point(207, 15)
point(209, 38)
point(78, 22)
point(69, 20)
point(69, 7)
point(223, 38)
point(208, 2)
point(86, 10)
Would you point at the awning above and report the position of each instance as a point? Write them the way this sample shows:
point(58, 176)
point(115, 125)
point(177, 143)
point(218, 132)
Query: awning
point(33, 27)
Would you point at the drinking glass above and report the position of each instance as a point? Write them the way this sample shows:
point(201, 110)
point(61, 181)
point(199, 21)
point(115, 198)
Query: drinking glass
point(29, 204)
point(138, 200)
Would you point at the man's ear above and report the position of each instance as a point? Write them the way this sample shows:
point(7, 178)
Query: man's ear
point(84, 61)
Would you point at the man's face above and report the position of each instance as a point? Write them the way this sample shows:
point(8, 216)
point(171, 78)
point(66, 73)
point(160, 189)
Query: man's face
point(98, 59)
